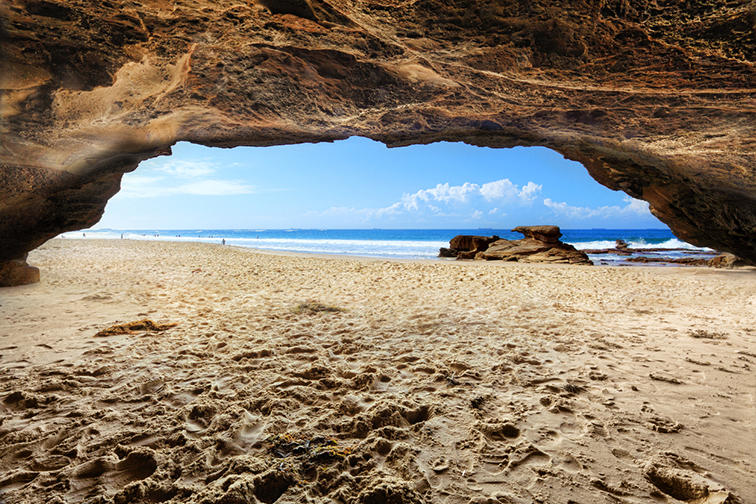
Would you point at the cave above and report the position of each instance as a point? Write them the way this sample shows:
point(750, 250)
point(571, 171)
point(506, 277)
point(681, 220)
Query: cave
point(654, 98)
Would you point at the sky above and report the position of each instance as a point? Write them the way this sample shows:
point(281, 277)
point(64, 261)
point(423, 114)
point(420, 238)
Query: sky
point(358, 183)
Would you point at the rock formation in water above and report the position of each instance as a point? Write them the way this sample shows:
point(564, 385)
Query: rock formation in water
point(655, 98)
point(466, 246)
point(725, 260)
point(541, 244)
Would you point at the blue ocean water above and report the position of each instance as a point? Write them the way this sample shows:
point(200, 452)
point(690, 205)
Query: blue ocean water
point(388, 243)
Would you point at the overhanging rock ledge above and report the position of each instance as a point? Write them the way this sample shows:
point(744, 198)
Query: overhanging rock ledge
point(655, 98)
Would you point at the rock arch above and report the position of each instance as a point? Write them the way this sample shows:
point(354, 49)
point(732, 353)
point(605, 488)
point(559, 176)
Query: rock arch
point(655, 98)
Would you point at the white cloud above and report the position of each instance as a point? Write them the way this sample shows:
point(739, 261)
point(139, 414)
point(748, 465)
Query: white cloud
point(498, 190)
point(505, 189)
point(215, 188)
point(174, 177)
point(632, 207)
point(132, 182)
point(438, 201)
point(389, 210)
point(636, 206)
point(156, 187)
point(442, 192)
point(186, 168)
point(530, 191)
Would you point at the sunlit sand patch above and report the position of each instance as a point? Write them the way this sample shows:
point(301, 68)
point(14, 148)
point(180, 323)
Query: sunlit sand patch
point(307, 379)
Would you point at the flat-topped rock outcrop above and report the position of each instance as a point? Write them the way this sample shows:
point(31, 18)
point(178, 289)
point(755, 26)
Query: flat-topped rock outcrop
point(544, 234)
point(655, 99)
point(541, 244)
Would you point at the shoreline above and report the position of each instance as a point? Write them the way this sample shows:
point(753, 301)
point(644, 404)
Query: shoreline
point(294, 377)
point(597, 258)
point(433, 260)
point(398, 243)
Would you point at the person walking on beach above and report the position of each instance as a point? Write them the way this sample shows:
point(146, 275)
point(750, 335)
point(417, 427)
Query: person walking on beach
point(223, 241)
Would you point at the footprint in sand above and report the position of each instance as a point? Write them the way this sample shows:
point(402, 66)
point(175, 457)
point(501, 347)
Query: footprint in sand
point(686, 486)
point(199, 417)
point(137, 465)
point(499, 431)
point(523, 459)
point(250, 431)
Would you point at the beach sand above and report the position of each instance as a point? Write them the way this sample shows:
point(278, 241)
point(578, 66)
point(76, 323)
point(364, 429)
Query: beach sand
point(409, 382)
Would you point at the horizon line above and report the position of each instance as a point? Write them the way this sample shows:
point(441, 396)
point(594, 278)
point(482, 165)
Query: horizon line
point(371, 229)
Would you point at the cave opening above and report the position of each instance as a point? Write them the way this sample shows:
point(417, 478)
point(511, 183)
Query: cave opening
point(358, 197)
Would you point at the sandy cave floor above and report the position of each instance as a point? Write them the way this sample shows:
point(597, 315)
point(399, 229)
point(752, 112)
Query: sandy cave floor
point(435, 382)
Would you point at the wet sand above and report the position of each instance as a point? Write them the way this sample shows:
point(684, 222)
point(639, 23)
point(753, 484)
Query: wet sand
point(293, 378)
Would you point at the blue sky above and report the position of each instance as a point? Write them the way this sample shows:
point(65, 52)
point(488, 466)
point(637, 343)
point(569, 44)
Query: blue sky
point(358, 183)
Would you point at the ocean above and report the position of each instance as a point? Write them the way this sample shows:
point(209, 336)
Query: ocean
point(394, 243)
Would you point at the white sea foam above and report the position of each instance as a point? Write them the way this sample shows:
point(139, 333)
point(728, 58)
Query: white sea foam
point(672, 243)
point(379, 248)
point(364, 247)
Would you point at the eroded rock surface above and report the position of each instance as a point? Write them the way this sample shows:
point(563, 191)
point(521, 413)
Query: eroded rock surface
point(535, 252)
point(725, 260)
point(541, 245)
point(466, 246)
point(545, 234)
point(655, 98)
point(17, 272)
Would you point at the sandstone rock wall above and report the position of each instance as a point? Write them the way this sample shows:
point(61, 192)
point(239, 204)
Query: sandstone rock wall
point(655, 98)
